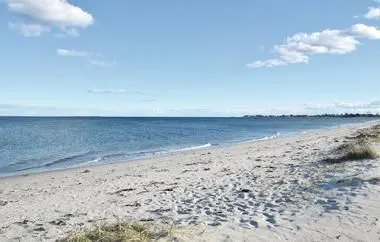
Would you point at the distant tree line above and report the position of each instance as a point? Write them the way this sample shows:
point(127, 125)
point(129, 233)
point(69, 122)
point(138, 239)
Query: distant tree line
point(326, 115)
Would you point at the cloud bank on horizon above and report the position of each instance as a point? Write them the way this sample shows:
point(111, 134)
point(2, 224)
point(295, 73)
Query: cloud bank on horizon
point(300, 47)
point(108, 91)
point(345, 106)
point(38, 110)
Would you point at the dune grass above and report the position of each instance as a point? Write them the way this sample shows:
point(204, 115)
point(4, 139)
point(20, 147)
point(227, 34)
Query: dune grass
point(370, 134)
point(122, 232)
point(359, 149)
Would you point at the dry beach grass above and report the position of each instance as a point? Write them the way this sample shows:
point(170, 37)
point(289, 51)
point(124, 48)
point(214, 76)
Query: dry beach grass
point(356, 150)
point(122, 232)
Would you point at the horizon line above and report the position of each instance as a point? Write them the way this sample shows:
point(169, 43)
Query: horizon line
point(224, 116)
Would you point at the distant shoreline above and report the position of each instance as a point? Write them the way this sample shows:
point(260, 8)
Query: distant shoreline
point(335, 115)
point(345, 115)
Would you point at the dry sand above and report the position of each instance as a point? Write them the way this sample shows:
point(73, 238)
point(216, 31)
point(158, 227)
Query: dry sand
point(273, 190)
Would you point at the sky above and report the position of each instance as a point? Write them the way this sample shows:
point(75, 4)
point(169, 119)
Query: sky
point(188, 58)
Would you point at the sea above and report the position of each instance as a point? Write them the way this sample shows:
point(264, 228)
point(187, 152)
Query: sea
point(37, 144)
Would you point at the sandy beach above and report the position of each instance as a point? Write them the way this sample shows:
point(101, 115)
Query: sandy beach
point(270, 190)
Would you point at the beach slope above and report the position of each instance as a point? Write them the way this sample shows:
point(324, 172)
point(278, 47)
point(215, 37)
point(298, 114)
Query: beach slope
point(286, 189)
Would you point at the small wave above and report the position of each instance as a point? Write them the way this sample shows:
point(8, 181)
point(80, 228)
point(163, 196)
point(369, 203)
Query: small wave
point(112, 156)
point(192, 148)
point(177, 150)
point(168, 151)
point(20, 163)
point(140, 154)
point(270, 137)
point(86, 163)
point(123, 155)
point(264, 138)
point(35, 164)
point(67, 159)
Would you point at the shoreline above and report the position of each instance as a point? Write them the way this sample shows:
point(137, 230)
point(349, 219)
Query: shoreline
point(184, 150)
point(271, 190)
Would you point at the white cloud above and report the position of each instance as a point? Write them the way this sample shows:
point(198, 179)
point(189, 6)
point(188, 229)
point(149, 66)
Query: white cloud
point(318, 106)
point(327, 41)
point(300, 47)
point(102, 63)
point(365, 31)
point(78, 53)
point(370, 105)
point(73, 53)
point(266, 63)
point(29, 30)
point(105, 91)
point(62, 110)
point(373, 106)
point(53, 13)
point(373, 13)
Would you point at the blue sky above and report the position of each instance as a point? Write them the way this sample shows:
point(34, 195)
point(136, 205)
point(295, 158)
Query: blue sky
point(188, 58)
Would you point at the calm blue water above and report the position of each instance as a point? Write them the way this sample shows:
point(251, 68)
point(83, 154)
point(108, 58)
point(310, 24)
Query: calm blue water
point(33, 144)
